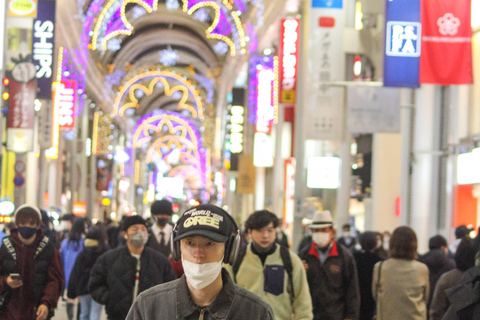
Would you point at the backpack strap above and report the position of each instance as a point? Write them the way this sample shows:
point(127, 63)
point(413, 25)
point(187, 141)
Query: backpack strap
point(241, 254)
point(287, 264)
point(43, 243)
point(10, 248)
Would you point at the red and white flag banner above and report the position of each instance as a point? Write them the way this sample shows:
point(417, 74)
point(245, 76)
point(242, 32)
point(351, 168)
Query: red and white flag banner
point(446, 57)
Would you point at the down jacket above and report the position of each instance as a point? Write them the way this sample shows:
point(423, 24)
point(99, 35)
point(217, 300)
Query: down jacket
point(112, 279)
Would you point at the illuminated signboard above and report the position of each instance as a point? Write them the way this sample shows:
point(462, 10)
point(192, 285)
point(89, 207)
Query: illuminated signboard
point(237, 119)
point(468, 165)
point(265, 103)
point(22, 8)
point(43, 45)
point(64, 104)
point(289, 56)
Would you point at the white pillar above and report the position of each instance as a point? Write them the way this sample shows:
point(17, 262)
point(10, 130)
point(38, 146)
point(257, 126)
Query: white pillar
point(386, 162)
point(425, 164)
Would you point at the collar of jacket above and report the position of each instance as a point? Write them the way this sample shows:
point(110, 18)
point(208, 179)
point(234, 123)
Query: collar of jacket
point(313, 250)
point(220, 307)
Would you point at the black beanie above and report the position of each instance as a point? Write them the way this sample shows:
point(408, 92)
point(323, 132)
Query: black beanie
point(130, 221)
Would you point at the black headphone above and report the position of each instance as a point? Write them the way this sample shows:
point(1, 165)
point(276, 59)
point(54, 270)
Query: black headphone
point(232, 246)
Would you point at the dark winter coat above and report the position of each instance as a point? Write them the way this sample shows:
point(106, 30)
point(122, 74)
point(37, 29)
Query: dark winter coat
point(365, 262)
point(333, 285)
point(78, 282)
point(465, 298)
point(40, 268)
point(173, 301)
point(438, 263)
point(112, 279)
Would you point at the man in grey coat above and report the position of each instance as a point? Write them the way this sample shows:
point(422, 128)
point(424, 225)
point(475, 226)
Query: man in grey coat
point(203, 238)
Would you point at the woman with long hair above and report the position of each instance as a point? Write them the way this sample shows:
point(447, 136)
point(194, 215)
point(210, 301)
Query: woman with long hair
point(70, 248)
point(400, 284)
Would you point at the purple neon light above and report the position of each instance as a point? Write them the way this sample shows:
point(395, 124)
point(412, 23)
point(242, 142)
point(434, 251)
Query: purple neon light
point(265, 62)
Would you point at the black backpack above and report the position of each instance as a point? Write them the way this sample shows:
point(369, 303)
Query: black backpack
point(286, 260)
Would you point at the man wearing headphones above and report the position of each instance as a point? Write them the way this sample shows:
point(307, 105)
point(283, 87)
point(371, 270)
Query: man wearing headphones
point(204, 237)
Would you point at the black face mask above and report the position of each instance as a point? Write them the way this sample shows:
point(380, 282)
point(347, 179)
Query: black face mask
point(27, 232)
point(162, 222)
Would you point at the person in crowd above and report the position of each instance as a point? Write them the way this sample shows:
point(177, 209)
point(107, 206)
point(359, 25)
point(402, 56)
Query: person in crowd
point(66, 223)
point(204, 237)
point(94, 247)
point(2, 235)
point(386, 240)
point(281, 238)
point(465, 298)
point(159, 233)
point(348, 239)
point(365, 261)
point(70, 248)
point(437, 261)
point(460, 233)
point(331, 273)
point(464, 260)
point(379, 249)
point(9, 226)
point(400, 284)
point(271, 271)
point(31, 275)
point(119, 275)
point(48, 229)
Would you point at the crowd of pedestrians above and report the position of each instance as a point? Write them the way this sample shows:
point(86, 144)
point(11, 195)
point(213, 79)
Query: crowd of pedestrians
point(205, 267)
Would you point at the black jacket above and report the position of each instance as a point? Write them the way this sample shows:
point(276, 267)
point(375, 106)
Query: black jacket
point(438, 263)
point(333, 286)
point(112, 279)
point(153, 243)
point(172, 301)
point(78, 282)
point(365, 262)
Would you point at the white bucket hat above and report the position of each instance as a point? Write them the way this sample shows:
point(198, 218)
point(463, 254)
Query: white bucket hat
point(321, 219)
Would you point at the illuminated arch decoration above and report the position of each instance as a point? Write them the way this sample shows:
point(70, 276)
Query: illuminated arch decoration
point(177, 133)
point(226, 26)
point(166, 78)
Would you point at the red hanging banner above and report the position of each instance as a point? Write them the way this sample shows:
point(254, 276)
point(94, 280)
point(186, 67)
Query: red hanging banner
point(446, 57)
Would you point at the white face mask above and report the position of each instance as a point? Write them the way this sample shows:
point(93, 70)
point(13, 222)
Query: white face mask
point(201, 275)
point(322, 239)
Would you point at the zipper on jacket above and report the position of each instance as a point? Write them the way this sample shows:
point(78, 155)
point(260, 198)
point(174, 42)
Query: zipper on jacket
point(202, 311)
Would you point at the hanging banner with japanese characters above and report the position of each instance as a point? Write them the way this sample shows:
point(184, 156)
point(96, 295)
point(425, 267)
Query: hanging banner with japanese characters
point(43, 45)
point(446, 42)
point(21, 116)
point(288, 59)
point(326, 64)
point(402, 43)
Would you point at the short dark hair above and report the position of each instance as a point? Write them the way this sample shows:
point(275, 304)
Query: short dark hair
point(461, 231)
point(437, 242)
point(260, 219)
point(346, 226)
point(368, 240)
point(403, 243)
point(465, 254)
point(161, 207)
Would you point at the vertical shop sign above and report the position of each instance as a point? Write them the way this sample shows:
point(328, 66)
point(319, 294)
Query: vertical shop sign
point(446, 42)
point(289, 56)
point(21, 116)
point(325, 65)
point(64, 94)
point(237, 119)
point(43, 47)
point(402, 43)
point(265, 108)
